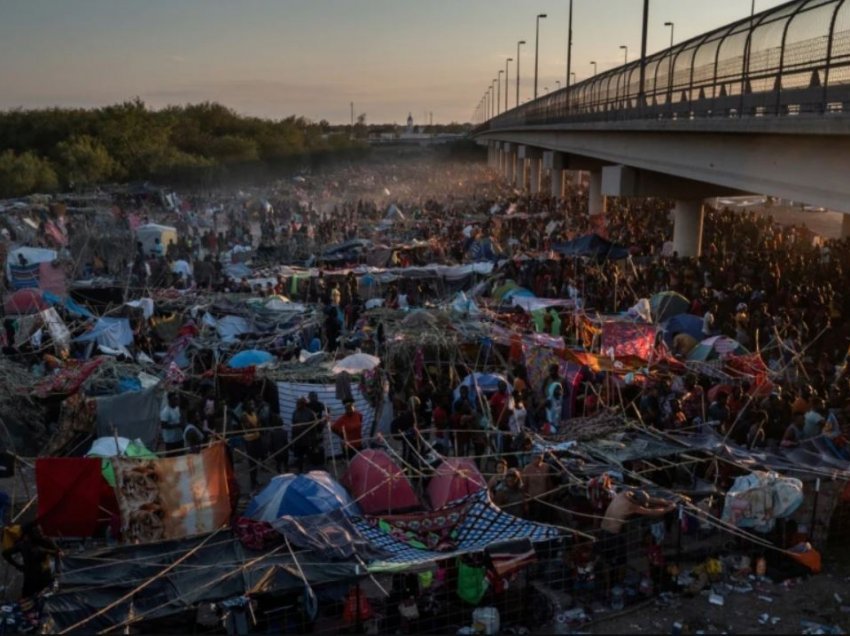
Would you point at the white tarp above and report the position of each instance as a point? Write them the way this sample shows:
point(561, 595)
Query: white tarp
point(33, 255)
point(289, 392)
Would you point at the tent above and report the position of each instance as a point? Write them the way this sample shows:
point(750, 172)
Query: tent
point(393, 213)
point(312, 493)
point(378, 484)
point(109, 332)
point(250, 358)
point(24, 302)
point(456, 478)
point(716, 347)
point(683, 323)
point(667, 304)
point(147, 235)
point(592, 246)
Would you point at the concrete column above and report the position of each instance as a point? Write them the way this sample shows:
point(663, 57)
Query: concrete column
point(595, 201)
point(557, 174)
point(687, 227)
point(519, 180)
point(510, 158)
point(845, 226)
point(534, 169)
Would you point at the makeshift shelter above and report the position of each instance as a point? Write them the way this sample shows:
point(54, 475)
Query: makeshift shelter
point(485, 382)
point(456, 478)
point(312, 493)
point(393, 214)
point(592, 246)
point(25, 273)
point(716, 347)
point(378, 485)
point(108, 447)
point(666, 304)
point(683, 323)
point(147, 235)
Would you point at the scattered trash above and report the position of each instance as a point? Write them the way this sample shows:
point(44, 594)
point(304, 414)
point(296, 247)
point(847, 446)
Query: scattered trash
point(837, 598)
point(766, 599)
point(716, 599)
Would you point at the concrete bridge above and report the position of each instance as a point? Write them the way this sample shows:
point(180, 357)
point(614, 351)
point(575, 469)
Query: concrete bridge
point(758, 106)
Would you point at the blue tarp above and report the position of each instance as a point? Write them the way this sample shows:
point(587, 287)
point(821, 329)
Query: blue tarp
point(592, 246)
point(312, 493)
point(109, 332)
point(250, 358)
point(68, 303)
point(683, 323)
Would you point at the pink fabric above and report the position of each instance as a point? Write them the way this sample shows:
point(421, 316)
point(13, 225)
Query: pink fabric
point(52, 279)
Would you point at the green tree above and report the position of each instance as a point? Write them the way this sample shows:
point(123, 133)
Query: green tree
point(25, 173)
point(83, 160)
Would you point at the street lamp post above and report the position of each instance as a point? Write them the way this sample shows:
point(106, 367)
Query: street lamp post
point(625, 53)
point(573, 76)
point(594, 67)
point(493, 95)
point(557, 85)
point(537, 49)
point(517, 69)
point(499, 90)
point(670, 61)
point(569, 43)
point(507, 61)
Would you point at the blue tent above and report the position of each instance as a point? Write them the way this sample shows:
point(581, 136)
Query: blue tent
point(250, 358)
point(311, 493)
point(683, 323)
point(592, 246)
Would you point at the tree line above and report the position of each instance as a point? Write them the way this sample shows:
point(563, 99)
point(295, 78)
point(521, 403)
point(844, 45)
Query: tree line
point(54, 149)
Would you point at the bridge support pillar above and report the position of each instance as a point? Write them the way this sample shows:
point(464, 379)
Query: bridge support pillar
point(688, 217)
point(509, 153)
point(534, 175)
point(554, 162)
point(529, 156)
point(596, 203)
point(845, 226)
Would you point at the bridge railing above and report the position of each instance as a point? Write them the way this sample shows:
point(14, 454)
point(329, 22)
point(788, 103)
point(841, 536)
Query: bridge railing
point(792, 60)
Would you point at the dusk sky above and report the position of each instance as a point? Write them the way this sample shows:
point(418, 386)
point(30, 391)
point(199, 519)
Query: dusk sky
point(274, 58)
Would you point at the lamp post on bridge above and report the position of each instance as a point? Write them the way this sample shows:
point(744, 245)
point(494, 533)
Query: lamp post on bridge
point(518, 44)
point(557, 85)
point(573, 76)
point(537, 50)
point(499, 90)
point(493, 95)
point(569, 44)
point(594, 67)
point(507, 62)
point(625, 53)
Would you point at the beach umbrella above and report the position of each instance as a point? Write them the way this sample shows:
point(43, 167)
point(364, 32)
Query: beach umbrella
point(378, 485)
point(714, 348)
point(23, 302)
point(250, 358)
point(456, 478)
point(667, 304)
point(356, 363)
point(312, 493)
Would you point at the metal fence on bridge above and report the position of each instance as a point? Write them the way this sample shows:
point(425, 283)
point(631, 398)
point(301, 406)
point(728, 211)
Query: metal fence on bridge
point(789, 61)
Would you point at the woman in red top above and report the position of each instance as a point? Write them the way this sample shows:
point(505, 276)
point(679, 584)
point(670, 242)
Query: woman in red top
point(349, 426)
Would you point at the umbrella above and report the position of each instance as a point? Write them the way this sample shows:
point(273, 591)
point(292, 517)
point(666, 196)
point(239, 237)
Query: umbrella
point(667, 304)
point(716, 347)
point(24, 301)
point(250, 358)
point(456, 478)
point(486, 382)
point(312, 493)
point(356, 363)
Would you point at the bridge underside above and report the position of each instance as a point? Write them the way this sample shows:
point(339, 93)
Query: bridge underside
point(810, 168)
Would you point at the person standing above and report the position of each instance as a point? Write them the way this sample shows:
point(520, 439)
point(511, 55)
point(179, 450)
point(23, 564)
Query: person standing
point(37, 551)
point(253, 441)
point(171, 421)
point(349, 426)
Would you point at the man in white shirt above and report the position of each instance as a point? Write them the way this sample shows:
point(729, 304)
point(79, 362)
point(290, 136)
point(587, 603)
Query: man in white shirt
point(171, 421)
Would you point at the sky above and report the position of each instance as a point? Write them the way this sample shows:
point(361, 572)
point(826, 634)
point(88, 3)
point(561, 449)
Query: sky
point(311, 58)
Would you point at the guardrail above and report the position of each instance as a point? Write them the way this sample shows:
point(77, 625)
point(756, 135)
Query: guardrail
point(791, 60)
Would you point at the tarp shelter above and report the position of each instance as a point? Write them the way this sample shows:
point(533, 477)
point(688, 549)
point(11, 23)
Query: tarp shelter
point(108, 447)
point(485, 382)
point(33, 256)
point(716, 347)
point(24, 302)
point(289, 392)
point(456, 478)
point(109, 332)
point(147, 235)
point(665, 305)
point(393, 213)
point(73, 497)
point(378, 485)
point(134, 415)
point(356, 363)
point(46, 320)
point(312, 493)
point(592, 246)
